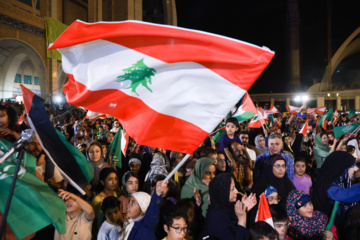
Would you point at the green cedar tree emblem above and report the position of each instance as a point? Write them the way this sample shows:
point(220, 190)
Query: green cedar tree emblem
point(138, 74)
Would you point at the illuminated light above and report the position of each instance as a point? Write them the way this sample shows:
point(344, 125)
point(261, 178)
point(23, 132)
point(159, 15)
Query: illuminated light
point(305, 98)
point(58, 99)
point(328, 94)
point(297, 99)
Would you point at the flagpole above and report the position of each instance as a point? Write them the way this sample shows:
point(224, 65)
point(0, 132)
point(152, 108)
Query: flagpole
point(176, 168)
point(355, 131)
point(261, 120)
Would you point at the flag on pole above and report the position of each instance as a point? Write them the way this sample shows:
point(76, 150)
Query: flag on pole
point(263, 213)
point(336, 116)
point(21, 119)
point(351, 114)
point(272, 110)
point(318, 110)
point(124, 141)
point(71, 163)
point(34, 204)
point(326, 116)
point(341, 130)
point(246, 110)
point(304, 128)
point(257, 121)
point(219, 134)
point(114, 149)
point(271, 120)
point(155, 78)
point(294, 110)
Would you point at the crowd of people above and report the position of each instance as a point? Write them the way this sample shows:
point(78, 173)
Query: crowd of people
point(216, 193)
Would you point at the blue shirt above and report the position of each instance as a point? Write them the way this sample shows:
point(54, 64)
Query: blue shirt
point(225, 141)
point(261, 160)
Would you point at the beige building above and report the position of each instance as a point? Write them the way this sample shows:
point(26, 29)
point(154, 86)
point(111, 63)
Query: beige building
point(23, 48)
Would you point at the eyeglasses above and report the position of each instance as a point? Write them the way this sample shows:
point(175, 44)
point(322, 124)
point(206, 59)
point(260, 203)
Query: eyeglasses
point(280, 166)
point(270, 199)
point(180, 229)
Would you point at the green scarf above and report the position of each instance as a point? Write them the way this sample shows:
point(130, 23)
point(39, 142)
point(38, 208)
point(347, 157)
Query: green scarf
point(319, 144)
point(194, 181)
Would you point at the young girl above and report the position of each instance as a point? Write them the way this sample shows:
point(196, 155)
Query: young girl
point(8, 128)
point(301, 180)
point(129, 186)
point(108, 183)
point(143, 213)
point(305, 223)
point(272, 195)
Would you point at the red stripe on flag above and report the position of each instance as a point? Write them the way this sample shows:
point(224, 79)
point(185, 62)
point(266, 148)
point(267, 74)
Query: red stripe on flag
point(238, 62)
point(27, 96)
point(166, 131)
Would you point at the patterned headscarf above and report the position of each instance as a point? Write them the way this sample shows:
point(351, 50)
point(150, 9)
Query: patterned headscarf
point(302, 227)
point(262, 149)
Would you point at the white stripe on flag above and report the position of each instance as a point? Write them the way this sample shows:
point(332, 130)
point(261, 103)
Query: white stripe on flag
point(168, 94)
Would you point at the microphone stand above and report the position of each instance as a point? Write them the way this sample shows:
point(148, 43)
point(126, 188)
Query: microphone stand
point(26, 136)
point(6, 211)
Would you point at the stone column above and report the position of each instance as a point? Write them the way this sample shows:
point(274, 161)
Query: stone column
point(272, 101)
point(287, 101)
point(95, 10)
point(357, 103)
point(338, 103)
point(320, 101)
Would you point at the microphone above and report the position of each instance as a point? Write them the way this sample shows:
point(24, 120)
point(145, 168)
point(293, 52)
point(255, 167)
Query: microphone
point(26, 136)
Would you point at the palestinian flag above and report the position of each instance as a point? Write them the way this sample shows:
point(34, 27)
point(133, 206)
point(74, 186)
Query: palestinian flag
point(341, 130)
point(72, 164)
point(155, 78)
point(263, 213)
point(219, 134)
point(34, 204)
point(326, 116)
point(246, 110)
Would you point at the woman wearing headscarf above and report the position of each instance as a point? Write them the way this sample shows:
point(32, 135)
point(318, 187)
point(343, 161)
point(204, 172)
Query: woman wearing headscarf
point(200, 178)
point(226, 217)
point(322, 149)
point(94, 155)
point(333, 183)
point(305, 223)
point(274, 175)
point(260, 144)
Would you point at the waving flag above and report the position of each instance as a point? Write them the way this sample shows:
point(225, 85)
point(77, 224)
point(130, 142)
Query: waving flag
point(294, 110)
point(326, 116)
point(161, 82)
point(318, 110)
point(341, 130)
point(257, 121)
point(304, 128)
point(246, 110)
point(34, 204)
point(351, 114)
point(72, 163)
point(94, 115)
point(272, 110)
point(263, 213)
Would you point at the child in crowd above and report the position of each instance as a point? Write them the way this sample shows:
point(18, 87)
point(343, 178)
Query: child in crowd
point(301, 180)
point(110, 229)
point(272, 195)
point(262, 231)
point(281, 220)
point(79, 217)
point(129, 185)
point(100, 133)
point(143, 214)
point(305, 223)
point(176, 225)
point(232, 130)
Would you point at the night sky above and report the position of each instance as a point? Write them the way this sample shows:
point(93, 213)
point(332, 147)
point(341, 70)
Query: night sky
point(263, 22)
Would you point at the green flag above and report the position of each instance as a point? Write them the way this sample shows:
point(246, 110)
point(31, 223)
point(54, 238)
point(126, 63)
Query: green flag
point(115, 149)
point(326, 116)
point(34, 204)
point(351, 114)
point(53, 30)
point(341, 130)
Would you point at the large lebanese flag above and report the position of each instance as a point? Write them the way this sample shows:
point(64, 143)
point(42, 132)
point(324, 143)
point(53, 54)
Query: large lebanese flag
point(318, 110)
point(161, 82)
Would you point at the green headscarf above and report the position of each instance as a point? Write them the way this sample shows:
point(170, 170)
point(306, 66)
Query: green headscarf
point(195, 181)
point(320, 144)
